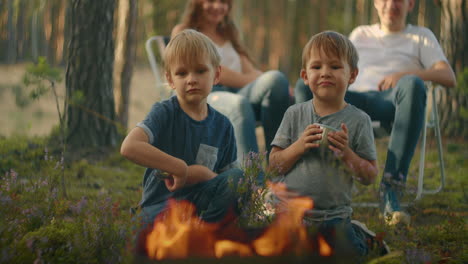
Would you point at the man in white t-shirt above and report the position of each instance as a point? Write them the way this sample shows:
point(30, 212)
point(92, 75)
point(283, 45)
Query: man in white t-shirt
point(395, 58)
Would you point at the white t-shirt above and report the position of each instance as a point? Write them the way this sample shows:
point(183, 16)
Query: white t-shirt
point(382, 53)
point(229, 57)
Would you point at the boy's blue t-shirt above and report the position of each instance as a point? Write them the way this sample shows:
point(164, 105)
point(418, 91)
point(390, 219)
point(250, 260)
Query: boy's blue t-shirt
point(209, 142)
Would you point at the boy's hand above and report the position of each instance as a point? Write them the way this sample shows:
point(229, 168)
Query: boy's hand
point(194, 174)
point(175, 182)
point(308, 139)
point(339, 140)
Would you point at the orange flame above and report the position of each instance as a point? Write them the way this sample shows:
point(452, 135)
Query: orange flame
point(178, 234)
point(324, 249)
point(286, 229)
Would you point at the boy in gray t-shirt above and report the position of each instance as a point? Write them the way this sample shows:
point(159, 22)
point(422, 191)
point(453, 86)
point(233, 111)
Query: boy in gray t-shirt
point(326, 174)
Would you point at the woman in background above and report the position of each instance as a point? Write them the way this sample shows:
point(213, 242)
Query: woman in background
point(244, 93)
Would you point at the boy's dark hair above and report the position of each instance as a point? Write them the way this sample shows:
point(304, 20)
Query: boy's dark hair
point(331, 43)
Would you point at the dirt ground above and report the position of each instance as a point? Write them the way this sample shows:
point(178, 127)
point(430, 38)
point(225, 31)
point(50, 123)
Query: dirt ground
point(39, 117)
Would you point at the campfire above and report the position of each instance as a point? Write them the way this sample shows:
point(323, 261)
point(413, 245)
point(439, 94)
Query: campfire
point(181, 234)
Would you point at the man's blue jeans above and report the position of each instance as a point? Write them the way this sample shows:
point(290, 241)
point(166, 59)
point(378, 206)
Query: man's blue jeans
point(404, 106)
point(265, 99)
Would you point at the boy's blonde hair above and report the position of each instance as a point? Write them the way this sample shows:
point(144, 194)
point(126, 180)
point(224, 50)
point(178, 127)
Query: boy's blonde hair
point(331, 43)
point(189, 47)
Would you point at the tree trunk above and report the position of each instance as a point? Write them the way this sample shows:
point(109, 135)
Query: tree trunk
point(124, 57)
point(422, 13)
point(453, 38)
point(34, 35)
point(20, 30)
point(347, 17)
point(53, 34)
point(11, 55)
point(59, 53)
point(91, 118)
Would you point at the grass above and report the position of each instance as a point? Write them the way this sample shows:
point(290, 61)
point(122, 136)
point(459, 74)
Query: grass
point(438, 232)
point(95, 216)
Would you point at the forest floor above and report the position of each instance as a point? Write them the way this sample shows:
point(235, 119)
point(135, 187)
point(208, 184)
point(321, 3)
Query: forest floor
point(437, 234)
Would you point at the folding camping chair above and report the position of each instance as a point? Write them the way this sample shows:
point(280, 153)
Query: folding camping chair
point(431, 121)
point(161, 83)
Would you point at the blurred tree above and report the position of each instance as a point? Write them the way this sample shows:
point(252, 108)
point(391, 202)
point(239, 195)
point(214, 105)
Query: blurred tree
point(89, 92)
point(454, 40)
point(11, 52)
point(54, 23)
point(166, 14)
point(124, 57)
point(20, 28)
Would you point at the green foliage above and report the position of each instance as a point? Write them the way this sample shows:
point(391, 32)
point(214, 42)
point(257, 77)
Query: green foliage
point(256, 211)
point(93, 225)
point(21, 99)
point(22, 154)
point(38, 225)
point(462, 81)
point(36, 73)
point(51, 243)
point(77, 97)
point(40, 77)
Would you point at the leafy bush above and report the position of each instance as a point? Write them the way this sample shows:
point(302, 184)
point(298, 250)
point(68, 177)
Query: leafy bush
point(37, 225)
point(256, 211)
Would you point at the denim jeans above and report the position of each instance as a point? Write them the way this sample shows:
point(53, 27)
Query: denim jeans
point(213, 199)
point(404, 106)
point(265, 99)
point(345, 238)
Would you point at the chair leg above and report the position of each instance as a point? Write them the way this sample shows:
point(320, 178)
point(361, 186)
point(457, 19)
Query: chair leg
point(434, 123)
point(435, 119)
point(422, 158)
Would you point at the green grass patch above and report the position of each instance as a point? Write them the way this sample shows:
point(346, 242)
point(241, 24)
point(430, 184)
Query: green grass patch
point(93, 223)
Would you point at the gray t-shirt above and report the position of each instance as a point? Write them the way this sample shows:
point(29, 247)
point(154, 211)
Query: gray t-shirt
point(318, 174)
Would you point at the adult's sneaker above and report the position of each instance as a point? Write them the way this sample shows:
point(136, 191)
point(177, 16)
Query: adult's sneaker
point(397, 218)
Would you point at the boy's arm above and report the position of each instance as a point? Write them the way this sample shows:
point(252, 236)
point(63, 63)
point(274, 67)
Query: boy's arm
point(365, 170)
point(282, 160)
point(198, 173)
point(136, 148)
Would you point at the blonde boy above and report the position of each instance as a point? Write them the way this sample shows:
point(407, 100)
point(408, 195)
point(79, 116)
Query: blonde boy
point(329, 66)
point(188, 148)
